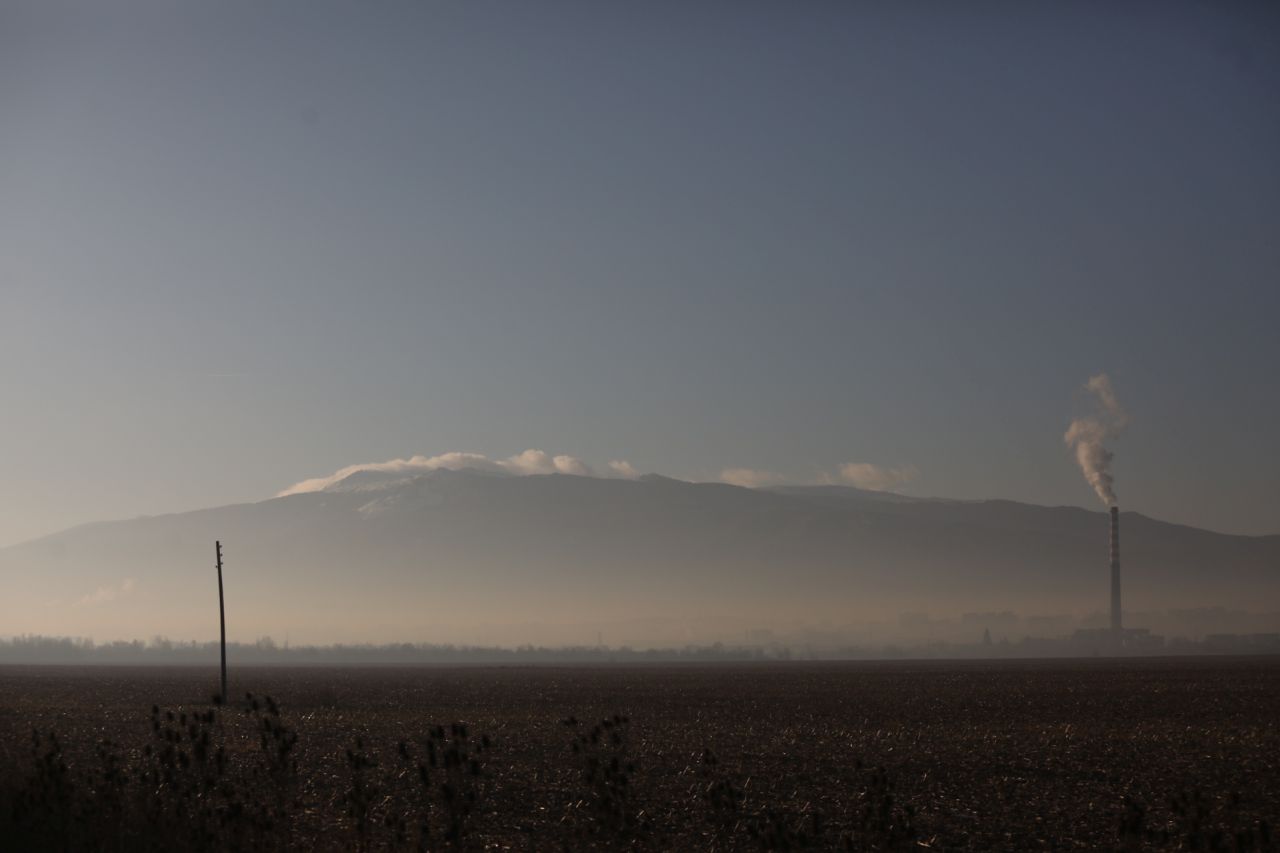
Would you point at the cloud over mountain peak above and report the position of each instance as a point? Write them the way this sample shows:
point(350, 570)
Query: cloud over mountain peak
point(862, 475)
point(521, 464)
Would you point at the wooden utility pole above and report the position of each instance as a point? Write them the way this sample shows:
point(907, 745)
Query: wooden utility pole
point(222, 619)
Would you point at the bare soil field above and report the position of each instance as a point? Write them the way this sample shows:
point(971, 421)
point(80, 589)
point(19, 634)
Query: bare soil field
point(1094, 754)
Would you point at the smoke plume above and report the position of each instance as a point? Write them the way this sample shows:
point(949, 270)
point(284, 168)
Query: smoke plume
point(1087, 437)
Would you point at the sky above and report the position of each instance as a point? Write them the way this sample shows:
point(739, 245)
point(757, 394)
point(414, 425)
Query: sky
point(246, 244)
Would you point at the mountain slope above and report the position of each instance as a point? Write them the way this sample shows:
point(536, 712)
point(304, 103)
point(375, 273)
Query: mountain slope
point(467, 555)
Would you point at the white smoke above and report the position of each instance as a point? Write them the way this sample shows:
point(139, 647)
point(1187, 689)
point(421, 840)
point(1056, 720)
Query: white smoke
point(1086, 436)
point(522, 464)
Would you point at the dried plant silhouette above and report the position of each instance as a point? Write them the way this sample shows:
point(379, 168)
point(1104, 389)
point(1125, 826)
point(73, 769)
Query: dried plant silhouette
point(715, 759)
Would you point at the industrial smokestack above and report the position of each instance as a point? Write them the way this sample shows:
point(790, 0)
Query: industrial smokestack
point(1117, 631)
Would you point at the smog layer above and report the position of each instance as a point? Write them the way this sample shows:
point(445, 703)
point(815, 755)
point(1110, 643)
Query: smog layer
point(473, 556)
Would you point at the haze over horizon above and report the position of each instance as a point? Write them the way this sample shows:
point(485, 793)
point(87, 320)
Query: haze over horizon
point(243, 246)
point(499, 557)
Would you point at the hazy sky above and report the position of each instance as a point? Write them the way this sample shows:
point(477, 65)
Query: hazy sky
point(247, 243)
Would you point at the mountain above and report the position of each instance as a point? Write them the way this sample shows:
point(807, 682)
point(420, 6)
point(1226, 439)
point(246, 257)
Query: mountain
point(478, 556)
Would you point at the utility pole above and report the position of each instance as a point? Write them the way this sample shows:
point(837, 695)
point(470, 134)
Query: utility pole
point(222, 619)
